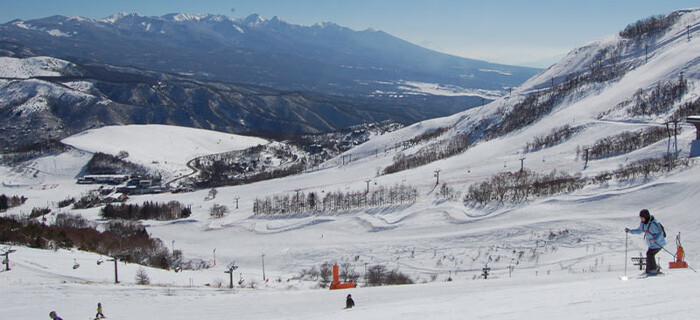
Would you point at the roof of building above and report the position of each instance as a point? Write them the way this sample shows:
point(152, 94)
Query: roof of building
point(693, 119)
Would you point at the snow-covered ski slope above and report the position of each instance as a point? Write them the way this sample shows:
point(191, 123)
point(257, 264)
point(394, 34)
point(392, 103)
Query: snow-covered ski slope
point(160, 147)
point(566, 251)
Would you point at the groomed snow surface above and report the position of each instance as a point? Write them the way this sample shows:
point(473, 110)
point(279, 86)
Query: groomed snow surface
point(573, 253)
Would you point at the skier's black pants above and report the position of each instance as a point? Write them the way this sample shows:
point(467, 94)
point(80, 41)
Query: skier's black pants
point(651, 259)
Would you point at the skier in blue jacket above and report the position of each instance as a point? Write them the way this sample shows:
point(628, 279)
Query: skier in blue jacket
point(654, 235)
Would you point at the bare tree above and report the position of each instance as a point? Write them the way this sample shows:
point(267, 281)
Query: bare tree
point(142, 277)
point(218, 210)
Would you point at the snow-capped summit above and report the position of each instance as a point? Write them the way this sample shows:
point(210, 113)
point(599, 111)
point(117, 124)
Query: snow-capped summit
point(183, 17)
point(254, 20)
point(119, 16)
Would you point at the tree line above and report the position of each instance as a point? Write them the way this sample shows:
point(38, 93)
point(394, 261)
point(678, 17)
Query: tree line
point(516, 187)
point(623, 142)
point(248, 166)
point(430, 153)
point(24, 153)
point(377, 275)
point(687, 109)
point(519, 186)
point(7, 202)
point(556, 136)
point(649, 26)
point(148, 211)
point(659, 100)
point(643, 168)
point(126, 239)
point(302, 202)
point(103, 163)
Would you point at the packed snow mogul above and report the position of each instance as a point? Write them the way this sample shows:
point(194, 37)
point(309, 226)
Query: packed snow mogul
point(655, 237)
point(54, 316)
point(349, 303)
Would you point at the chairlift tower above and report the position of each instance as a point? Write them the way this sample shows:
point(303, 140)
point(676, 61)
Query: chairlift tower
point(7, 258)
point(116, 269)
point(230, 270)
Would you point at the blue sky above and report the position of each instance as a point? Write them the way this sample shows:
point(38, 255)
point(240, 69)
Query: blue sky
point(535, 32)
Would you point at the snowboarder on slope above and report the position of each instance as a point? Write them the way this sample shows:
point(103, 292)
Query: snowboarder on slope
point(99, 311)
point(654, 235)
point(349, 303)
point(54, 316)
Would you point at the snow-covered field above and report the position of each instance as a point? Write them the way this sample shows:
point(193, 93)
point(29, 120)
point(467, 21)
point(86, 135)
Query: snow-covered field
point(551, 258)
point(166, 149)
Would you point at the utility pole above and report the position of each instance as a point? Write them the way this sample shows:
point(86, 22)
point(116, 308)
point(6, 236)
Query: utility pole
point(646, 53)
point(522, 163)
point(231, 267)
point(236, 202)
point(367, 181)
point(263, 266)
point(437, 176)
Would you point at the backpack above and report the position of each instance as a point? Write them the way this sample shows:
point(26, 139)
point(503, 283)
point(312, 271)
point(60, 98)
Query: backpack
point(660, 225)
point(662, 229)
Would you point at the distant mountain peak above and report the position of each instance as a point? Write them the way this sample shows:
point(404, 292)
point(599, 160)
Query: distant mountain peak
point(181, 17)
point(254, 19)
point(119, 16)
point(327, 24)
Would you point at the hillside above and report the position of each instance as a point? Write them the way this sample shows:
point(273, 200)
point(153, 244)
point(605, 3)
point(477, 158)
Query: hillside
point(46, 99)
point(551, 255)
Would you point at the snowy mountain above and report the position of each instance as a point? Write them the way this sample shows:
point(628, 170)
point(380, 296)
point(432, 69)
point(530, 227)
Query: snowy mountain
point(44, 98)
point(270, 52)
point(554, 253)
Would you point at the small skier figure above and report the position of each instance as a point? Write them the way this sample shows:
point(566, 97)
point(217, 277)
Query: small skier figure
point(54, 316)
point(349, 303)
point(654, 235)
point(99, 311)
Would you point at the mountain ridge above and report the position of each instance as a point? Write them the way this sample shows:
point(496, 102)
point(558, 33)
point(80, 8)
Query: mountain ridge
point(323, 57)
